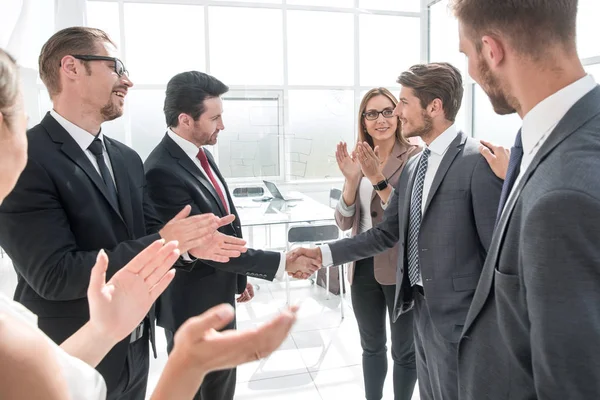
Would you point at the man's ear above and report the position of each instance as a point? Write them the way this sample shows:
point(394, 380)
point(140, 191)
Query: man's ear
point(493, 50)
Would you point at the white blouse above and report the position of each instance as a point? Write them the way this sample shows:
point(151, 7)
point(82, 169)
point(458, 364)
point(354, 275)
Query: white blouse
point(84, 381)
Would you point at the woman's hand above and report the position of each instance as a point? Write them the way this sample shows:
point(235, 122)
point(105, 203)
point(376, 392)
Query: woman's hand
point(348, 165)
point(118, 306)
point(369, 162)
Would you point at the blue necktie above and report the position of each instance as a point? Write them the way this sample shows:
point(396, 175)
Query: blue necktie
point(414, 221)
point(514, 167)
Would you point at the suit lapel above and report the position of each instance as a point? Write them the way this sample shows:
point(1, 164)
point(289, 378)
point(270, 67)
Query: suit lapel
point(122, 181)
point(76, 154)
point(584, 110)
point(453, 150)
point(183, 160)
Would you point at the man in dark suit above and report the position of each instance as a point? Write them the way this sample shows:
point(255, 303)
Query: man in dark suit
point(442, 212)
point(181, 171)
point(533, 329)
point(81, 192)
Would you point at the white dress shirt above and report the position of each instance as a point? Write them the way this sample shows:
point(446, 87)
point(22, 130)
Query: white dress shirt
point(191, 150)
point(84, 139)
point(366, 191)
point(543, 118)
point(438, 149)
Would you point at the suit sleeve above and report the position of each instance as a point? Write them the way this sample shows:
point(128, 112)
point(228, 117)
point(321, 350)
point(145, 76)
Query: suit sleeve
point(169, 195)
point(36, 235)
point(376, 240)
point(486, 188)
point(560, 268)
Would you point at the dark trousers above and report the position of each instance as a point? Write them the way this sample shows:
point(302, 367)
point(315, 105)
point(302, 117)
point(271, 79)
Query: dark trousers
point(370, 301)
point(218, 385)
point(134, 376)
point(437, 358)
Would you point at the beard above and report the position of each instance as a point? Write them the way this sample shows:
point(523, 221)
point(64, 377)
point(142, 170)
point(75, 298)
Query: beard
point(502, 103)
point(111, 111)
point(423, 130)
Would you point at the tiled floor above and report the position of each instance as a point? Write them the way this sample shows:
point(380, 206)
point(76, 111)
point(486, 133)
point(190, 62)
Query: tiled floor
point(320, 360)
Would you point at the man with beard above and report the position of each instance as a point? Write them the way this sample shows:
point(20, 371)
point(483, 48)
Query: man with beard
point(82, 192)
point(442, 212)
point(534, 325)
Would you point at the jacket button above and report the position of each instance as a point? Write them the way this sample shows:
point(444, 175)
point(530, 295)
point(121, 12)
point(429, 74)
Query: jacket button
point(373, 214)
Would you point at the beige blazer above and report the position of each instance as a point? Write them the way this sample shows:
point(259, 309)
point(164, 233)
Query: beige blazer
point(384, 263)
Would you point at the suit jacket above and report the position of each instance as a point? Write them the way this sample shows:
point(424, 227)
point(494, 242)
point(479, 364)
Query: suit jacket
point(174, 180)
point(384, 264)
point(533, 331)
point(56, 220)
point(456, 230)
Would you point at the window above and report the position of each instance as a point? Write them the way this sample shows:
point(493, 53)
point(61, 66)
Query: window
point(253, 55)
point(168, 39)
point(588, 29)
point(443, 38)
point(498, 129)
point(393, 5)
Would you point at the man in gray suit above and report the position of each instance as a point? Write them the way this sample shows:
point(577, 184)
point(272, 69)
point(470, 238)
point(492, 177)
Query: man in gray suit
point(533, 330)
point(442, 212)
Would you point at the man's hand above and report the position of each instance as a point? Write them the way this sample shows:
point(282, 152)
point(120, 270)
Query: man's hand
point(496, 156)
point(220, 248)
point(198, 234)
point(301, 265)
point(299, 255)
point(247, 295)
point(118, 306)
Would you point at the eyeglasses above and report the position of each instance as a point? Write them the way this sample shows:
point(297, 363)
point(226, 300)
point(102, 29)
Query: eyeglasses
point(373, 114)
point(119, 66)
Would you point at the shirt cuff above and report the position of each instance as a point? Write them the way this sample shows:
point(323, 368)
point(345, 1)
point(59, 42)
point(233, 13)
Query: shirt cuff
point(327, 258)
point(346, 211)
point(280, 275)
point(387, 203)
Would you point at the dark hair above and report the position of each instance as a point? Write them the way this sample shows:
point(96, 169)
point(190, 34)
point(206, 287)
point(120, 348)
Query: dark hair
point(530, 25)
point(9, 85)
point(69, 41)
point(435, 81)
point(186, 93)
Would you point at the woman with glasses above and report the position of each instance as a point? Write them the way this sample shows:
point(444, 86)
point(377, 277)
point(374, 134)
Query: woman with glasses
point(33, 367)
point(370, 173)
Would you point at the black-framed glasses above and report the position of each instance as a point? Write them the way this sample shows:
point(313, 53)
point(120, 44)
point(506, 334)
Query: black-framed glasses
point(119, 66)
point(372, 115)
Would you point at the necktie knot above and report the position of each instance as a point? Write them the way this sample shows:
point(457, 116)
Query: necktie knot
point(96, 147)
point(518, 141)
point(426, 152)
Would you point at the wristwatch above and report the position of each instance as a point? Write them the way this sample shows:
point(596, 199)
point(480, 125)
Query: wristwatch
point(381, 185)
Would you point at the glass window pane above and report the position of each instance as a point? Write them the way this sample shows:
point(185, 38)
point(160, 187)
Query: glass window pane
point(498, 129)
point(105, 15)
point(588, 29)
point(381, 61)
point(318, 121)
point(443, 38)
point(391, 5)
point(147, 119)
point(249, 145)
point(330, 3)
point(256, 1)
point(321, 55)
point(246, 45)
point(594, 70)
point(163, 40)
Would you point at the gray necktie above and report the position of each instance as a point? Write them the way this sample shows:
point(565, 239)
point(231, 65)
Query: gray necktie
point(414, 221)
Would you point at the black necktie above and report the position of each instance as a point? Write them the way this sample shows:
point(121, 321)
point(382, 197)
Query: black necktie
point(514, 167)
point(97, 150)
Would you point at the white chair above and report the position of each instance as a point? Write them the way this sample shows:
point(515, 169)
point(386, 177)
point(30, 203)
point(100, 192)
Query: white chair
point(312, 235)
point(334, 196)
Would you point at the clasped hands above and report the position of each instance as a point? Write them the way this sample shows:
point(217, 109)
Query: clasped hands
point(302, 262)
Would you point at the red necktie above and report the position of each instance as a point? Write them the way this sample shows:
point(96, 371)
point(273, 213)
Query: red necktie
point(204, 162)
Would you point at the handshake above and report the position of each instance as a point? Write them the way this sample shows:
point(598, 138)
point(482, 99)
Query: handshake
point(301, 263)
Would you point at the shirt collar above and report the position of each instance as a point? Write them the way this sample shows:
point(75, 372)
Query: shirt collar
point(80, 135)
point(441, 143)
point(188, 147)
point(547, 113)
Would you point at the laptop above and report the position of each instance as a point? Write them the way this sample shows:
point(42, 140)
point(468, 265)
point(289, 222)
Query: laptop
point(276, 193)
